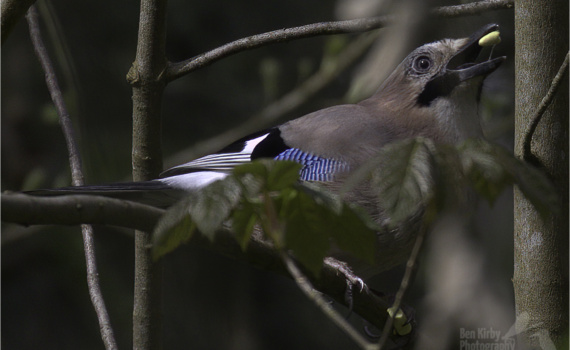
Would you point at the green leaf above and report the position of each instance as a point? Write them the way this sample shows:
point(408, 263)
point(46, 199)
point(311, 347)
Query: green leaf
point(256, 168)
point(205, 210)
point(350, 226)
point(314, 218)
point(213, 205)
point(491, 168)
point(484, 168)
point(174, 228)
point(275, 175)
point(282, 174)
point(405, 178)
point(244, 219)
point(355, 232)
point(304, 233)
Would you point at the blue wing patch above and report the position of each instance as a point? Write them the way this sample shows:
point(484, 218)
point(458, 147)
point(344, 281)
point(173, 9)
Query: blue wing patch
point(315, 168)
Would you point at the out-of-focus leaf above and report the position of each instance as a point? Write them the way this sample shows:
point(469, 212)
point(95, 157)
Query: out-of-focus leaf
point(174, 228)
point(275, 175)
point(205, 210)
point(491, 168)
point(484, 169)
point(282, 174)
point(537, 188)
point(213, 205)
point(257, 168)
point(314, 218)
point(323, 197)
point(305, 234)
point(244, 219)
point(450, 182)
point(355, 232)
point(405, 178)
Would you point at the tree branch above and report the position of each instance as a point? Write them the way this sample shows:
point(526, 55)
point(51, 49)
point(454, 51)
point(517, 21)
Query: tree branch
point(10, 13)
point(77, 209)
point(526, 150)
point(76, 175)
point(306, 287)
point(179, 69)
point(411, 266)
point(472, 8)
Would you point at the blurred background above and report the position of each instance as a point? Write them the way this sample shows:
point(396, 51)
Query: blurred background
point(211, 302)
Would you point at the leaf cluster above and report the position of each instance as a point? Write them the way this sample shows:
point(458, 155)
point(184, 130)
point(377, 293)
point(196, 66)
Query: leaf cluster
point(419, 175)
point(265, 196)
point(408, 177)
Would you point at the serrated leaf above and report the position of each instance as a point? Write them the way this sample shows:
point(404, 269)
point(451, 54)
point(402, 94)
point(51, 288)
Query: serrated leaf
point(256, 168)
point(275, 175)
point(304, 234)
point(491, 168)
point(174, 228)
point(282, 174)
point(213, 205)
point(244, 219)
point(450, 183)
point(323, 196)
point(350, 226)
point(205, 210)
point(355, 232)
point(314, 218)
point(405, 179)
point(484, 169)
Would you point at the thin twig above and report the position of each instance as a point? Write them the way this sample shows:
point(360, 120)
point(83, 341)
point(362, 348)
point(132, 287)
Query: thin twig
point(304, 284)
point(472, 8)
point(547, 99)
point(179, 69)
point(76, 175)
point(404, 285)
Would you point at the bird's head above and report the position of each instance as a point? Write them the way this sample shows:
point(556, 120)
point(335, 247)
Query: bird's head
point(442, 79)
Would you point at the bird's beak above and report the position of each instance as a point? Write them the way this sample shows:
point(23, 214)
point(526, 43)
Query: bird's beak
point(463, 65)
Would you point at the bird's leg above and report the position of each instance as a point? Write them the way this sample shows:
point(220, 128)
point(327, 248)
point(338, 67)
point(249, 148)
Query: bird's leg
point(351, 280)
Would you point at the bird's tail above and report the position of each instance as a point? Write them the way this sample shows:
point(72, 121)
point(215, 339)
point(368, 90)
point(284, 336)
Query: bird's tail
point(155, 193)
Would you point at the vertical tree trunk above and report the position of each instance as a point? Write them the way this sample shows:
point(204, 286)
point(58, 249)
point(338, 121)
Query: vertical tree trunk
point(541, 246)
point(147, 78)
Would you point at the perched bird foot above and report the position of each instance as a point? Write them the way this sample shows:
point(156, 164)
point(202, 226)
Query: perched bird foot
point(351, 280)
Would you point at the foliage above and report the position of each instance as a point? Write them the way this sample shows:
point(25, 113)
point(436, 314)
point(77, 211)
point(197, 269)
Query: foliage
point(409, 177)
point(302, 218)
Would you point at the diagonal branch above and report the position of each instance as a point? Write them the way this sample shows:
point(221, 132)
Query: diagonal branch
point(76, 175)
point(179, 69)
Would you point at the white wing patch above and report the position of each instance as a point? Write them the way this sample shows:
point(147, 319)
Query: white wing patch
point(193, 181)
point(212, 164)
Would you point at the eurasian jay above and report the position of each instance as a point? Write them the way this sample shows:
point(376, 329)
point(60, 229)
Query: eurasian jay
point(433, 93)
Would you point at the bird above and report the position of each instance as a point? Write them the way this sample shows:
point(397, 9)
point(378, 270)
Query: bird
point(433, 93)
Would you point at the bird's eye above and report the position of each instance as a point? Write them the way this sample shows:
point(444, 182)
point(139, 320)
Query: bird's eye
point(422, 64)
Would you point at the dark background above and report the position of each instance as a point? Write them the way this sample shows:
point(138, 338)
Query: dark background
point(209, 302)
